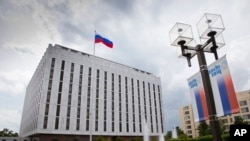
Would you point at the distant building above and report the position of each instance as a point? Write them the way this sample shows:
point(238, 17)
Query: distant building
point(188, 126)
point(187, 118)
point(75, 96)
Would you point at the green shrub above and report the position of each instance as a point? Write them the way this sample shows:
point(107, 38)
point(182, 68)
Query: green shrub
point(99, 138)
point(176, 139)
point(108, 139)
point(205, 138)
point(191, 139)
point(225, 137)
point(119, 139)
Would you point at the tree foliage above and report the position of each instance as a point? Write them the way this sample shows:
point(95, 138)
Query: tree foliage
point(137, 139)
point(8, 133)
point(99, 138)
point(108, 139)
point(119, 139)
point(181, 134)
point(240, 121)
point(168, 135)
point(204, 129)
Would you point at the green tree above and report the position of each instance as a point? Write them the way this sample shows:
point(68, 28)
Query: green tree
point(204, 129)
point(223, 128)
point(8, 133)
point(168, 135)
point(239, 120)
point(119, 139)
point(181, 134)
point(99, 138)
point(153, 138)
point(137, 139)
point(108, 139)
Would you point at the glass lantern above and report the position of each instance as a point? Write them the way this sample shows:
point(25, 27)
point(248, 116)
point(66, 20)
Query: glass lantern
point(180, 32)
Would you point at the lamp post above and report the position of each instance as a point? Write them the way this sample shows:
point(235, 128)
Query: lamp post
point(210, 28)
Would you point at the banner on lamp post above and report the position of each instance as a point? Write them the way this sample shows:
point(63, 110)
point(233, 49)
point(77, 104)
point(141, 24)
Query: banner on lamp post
point(223, 91)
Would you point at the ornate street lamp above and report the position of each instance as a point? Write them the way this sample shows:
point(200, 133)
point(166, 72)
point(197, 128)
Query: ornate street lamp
point(210, 28)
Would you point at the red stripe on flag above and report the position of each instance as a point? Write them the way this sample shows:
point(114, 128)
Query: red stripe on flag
point(231, 94)
point(204, 103)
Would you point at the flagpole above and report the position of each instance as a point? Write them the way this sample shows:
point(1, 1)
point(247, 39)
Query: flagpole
point(94, 50)
point(94, 46)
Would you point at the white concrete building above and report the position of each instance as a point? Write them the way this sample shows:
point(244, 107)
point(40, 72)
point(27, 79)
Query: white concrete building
point(76, 96)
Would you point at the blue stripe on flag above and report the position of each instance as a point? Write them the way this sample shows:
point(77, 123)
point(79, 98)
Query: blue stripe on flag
point(199, 104)
point(224, 96)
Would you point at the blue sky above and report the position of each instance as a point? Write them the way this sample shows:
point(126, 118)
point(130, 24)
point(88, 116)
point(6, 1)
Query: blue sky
point(139, 31)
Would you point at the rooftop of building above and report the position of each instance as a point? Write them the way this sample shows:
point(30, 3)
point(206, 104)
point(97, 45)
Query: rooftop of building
point(86, 54)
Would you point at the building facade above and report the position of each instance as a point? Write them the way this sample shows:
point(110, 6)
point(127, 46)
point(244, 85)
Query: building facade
point(190, 127)
point(187, 124)
point(77, 96)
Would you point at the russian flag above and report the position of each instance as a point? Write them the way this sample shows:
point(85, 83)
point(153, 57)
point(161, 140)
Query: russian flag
point(105, 41)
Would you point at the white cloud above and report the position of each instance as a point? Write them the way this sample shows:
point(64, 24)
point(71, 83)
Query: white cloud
point(10, 119)
point(14, 82)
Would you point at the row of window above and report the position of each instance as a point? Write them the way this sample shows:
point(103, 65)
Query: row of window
point(152, 100)
point(49, 93)
point(97, 99)
point(88, 100)
point(105, 101)
point(70, 95)
point(120, 104)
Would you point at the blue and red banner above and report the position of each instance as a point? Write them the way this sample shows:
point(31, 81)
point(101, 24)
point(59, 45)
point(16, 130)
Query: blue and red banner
point(198, 98)
point(223, 91)
point(105, 41)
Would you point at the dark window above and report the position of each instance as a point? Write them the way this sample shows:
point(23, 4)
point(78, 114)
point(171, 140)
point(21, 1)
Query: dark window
point(45, 122)
point(59, 98)
point(78, 124)
point(105, 126)
point(67, 124)
point(127, 127)
point(113, 126)
point(61, 76)
point(87, 125)
point(244, 110)
point(47, 109)
point(60, 86)
point(62, 66)
point(56, 123)
point(242, 103)
point(57, 110)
